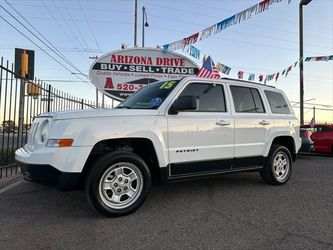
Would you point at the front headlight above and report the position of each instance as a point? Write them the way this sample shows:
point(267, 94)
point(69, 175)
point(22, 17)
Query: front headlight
point(43, 132)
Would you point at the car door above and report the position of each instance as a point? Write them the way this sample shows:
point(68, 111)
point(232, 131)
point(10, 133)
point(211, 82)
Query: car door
point(201, 141)
point(322, 138)
point(252, 122)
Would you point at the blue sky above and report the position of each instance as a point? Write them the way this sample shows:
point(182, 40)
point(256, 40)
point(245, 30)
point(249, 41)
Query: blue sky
point(267, 43)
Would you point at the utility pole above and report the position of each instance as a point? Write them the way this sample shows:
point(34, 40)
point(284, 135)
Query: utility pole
point(97, 98)
point(301, 80)
point(135, 22)
point(301, 73)
point(314, 113)
point(144, 24)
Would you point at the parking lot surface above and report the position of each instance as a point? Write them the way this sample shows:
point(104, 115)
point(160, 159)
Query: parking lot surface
point(229, 212)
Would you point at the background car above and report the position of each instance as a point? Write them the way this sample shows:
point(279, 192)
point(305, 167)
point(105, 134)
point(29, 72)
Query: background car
point(307, 143)
point(323, 138)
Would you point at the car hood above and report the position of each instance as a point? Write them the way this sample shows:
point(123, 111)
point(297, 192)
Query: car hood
point(95, 113)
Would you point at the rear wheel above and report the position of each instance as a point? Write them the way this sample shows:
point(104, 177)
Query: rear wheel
point(118, 183)
point(278, 166)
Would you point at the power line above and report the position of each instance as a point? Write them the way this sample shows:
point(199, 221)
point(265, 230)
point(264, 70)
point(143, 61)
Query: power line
point(219, 18)
point(41, 48)
point(88, 24)
point(73, 8)
point(74, 24)
point(79, 50)
point(272, 18)
point(70, 28)
point(53, 49)
point(234, 40)
point(240, 32)
point(59, 24)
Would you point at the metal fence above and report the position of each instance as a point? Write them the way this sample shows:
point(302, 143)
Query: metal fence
point(8, 171)
point(21, 101)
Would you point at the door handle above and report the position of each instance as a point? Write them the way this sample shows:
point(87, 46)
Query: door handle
point(264, 122)
point(222, 123)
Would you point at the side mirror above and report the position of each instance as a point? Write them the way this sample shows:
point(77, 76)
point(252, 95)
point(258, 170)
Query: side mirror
point(184, 103)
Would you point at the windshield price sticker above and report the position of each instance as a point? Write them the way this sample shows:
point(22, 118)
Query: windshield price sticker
point(121, 73)
point(167, 85)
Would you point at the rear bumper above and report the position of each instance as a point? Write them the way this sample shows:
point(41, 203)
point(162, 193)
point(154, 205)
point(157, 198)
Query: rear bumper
point(46, 174)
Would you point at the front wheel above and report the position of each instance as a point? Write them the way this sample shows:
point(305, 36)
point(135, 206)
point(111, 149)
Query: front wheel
point(118, 183)
point(278, 166)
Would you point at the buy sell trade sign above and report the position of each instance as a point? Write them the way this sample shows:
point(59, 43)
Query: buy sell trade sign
point(121, 73)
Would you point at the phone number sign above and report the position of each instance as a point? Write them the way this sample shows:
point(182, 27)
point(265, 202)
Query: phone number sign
point(121, 73)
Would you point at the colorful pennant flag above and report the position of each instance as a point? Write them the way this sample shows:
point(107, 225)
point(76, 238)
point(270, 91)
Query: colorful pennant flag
point(193, 51)
point(240, 74)
point(218, 27)
point(223, 68)
point(261, 77)
point(251, 77)
point(288, 70)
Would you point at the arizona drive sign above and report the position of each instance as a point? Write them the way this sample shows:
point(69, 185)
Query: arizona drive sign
point(121, 73)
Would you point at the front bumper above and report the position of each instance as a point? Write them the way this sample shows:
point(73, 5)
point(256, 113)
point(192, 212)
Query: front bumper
point(46, 174)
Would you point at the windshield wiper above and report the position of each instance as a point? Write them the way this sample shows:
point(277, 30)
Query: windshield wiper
point(123, 107)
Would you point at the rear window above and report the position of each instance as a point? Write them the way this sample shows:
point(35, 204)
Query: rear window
point(277, 102)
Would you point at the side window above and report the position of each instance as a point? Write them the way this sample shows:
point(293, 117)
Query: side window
point(277, 102)
point(257, 101)
point(323, 129)
point(210, 97)
point(247, 100)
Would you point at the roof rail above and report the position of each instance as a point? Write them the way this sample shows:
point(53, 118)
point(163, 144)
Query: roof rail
point(237, 80)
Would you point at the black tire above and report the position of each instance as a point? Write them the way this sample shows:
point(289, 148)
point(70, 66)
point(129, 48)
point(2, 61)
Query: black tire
point(101, 199)
point(277, 175)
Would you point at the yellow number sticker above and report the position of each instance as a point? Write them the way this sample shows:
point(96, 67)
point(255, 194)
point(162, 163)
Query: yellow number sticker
point(167, 85)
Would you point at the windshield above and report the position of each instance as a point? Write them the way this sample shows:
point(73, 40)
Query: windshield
point(150, 97)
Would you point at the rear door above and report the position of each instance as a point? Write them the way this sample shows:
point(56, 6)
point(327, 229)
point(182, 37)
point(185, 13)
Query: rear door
point(252, 122)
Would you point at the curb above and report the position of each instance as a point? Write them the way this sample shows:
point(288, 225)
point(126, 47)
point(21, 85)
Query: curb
point(10, 181)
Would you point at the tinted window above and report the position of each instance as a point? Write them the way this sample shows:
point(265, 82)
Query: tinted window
point(257, 101)
point(210, 97)
point(277, 102)
point(150, 97)
point(322, 129)
point(247, 100)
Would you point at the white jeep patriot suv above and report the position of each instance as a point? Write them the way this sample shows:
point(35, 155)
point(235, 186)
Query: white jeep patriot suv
point(166, 132)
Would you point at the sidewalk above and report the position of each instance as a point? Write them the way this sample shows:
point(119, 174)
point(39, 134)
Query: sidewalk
point(9, 174)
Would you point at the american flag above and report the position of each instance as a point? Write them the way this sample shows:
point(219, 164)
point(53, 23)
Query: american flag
point(208, 69)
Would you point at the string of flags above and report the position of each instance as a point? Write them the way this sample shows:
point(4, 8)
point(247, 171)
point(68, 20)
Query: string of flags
point(222, 25)
point(224, 69)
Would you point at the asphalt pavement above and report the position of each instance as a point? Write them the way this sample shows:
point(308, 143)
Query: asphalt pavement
point(230, 212)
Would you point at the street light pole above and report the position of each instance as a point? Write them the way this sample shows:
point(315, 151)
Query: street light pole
point(144, 24)
point(135, 22)
point(301, 69)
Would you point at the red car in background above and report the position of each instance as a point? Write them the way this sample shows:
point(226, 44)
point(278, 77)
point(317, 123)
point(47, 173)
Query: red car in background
point(322, 136)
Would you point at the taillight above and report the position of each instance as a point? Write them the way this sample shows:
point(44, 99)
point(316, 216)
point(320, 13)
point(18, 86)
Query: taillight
point(307, 133)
